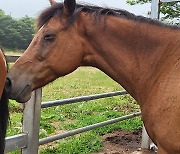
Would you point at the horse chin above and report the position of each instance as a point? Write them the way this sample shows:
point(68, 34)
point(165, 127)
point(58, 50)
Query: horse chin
point(24, 96)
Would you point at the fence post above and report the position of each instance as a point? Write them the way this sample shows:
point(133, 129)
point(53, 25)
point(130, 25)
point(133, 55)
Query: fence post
point(155, 5)
point(31, 122)
point(145, 143)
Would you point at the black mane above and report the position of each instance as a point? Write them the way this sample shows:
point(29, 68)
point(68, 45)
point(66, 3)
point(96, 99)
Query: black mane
point(57, 9)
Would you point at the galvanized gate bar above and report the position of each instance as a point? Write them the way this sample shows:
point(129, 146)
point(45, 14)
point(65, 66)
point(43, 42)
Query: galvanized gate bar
point(31, 122)
point(87, 128)
point(16, 142)
point(81, 99)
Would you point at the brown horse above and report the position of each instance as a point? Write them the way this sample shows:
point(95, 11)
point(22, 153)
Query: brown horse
point(4, 114)
point(141, 54)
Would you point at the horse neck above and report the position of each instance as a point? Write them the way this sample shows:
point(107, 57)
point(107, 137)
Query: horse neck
point(129, 52)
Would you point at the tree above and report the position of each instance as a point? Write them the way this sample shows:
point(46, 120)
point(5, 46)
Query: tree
point(15, 33)
point(26, 29)
point(169, 10)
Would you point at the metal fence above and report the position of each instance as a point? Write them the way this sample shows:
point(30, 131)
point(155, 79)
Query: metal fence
point(28, 141)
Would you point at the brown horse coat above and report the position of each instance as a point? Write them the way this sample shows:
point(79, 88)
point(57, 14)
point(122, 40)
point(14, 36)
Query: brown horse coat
point(3, 71)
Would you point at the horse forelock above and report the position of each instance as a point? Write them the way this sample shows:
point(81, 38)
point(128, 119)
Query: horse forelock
point(57, 9)
point(48, 13)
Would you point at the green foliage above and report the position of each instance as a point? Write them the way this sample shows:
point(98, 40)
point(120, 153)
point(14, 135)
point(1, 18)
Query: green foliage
point(133, 2)
point(15, 125)
point(169, 10)
point(15, 33)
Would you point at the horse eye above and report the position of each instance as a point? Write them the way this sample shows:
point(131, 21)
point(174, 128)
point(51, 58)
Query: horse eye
point(49, 37)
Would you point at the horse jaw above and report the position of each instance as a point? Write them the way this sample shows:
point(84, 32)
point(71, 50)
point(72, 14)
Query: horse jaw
point(23, 96)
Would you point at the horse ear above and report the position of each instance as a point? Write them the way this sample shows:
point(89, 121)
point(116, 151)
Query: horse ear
point(69, 6)
point(52, 2)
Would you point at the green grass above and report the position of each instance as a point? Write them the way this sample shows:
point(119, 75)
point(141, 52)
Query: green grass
point(84, 143)
point(84, 81)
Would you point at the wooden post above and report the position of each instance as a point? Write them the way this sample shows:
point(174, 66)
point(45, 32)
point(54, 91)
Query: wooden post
point(31, 122)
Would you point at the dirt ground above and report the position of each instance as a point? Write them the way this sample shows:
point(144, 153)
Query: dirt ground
point(123, 142)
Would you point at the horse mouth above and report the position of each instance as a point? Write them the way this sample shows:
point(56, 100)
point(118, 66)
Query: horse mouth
point(23, 96)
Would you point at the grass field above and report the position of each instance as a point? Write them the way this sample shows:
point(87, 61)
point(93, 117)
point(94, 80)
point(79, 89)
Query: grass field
point(83, 81)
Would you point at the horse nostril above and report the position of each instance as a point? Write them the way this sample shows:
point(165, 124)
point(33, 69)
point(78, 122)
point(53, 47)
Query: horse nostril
point(8, 86)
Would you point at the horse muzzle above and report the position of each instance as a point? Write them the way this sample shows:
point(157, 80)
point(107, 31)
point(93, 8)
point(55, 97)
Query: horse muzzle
point(21, 92)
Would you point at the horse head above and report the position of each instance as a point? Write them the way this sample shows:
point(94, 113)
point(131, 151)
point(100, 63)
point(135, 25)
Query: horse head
point(56, 50)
